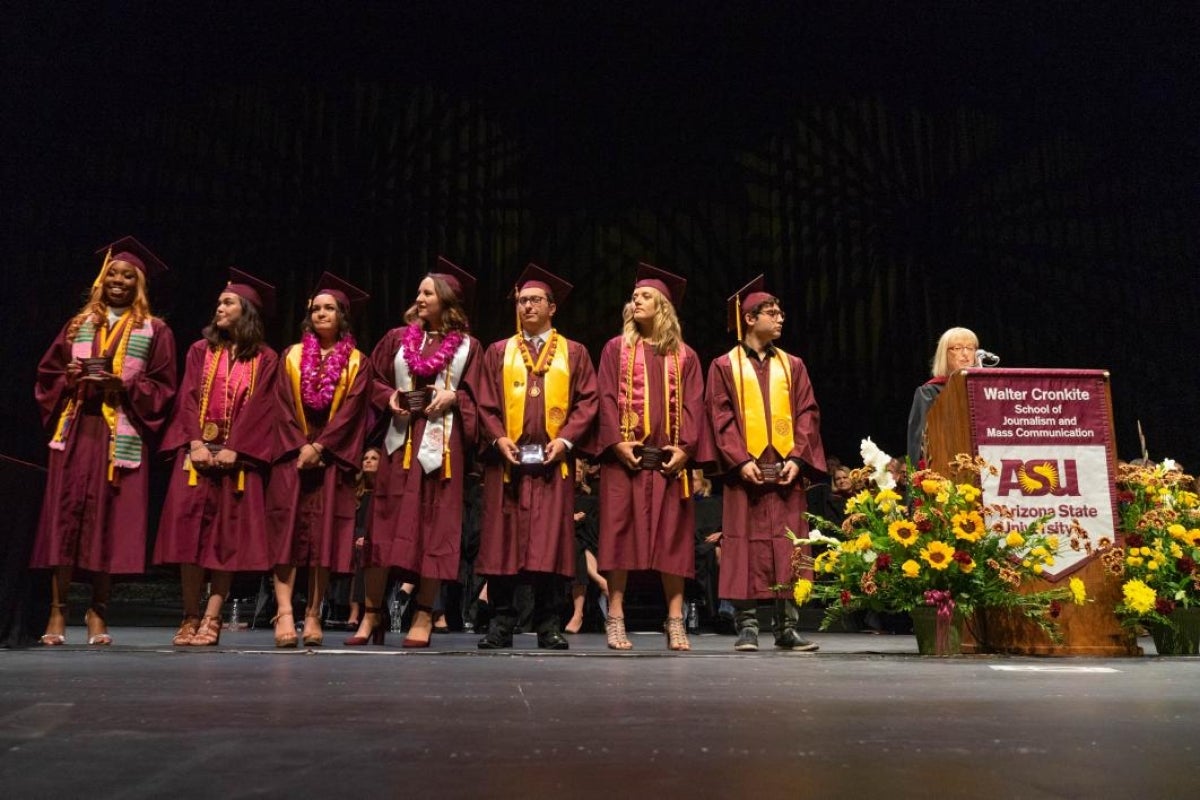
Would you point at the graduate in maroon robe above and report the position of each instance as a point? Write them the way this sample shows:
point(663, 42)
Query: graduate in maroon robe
point(100, 418)
point(766, 426)
point(652, 425)
point(222, 438)
point(537, 408)
point(425, 378)
point(322, 408)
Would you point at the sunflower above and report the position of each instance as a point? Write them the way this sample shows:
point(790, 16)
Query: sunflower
point(903, 531)
point(968, 525)
point(937, 555)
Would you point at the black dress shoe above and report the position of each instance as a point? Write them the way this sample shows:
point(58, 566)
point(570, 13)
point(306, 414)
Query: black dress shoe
point(495, 640)
point(747, 641)
point(552, 641)
point(789, 639)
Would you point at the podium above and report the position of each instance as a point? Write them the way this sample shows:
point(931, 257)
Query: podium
point(1049, 433)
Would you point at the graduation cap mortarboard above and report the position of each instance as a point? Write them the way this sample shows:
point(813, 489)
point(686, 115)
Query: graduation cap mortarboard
point(671, 285)
point(743, 300)
point(131, 251)
point(253, 290)
point(460, 281)
point(349, 296)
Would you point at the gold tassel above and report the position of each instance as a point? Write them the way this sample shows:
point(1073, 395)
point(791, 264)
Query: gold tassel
point(687, 484)
point(103, 268)
point(446, 463)
point(517, 307)
point(737, 304)
point(565, 473)
point(241, 484)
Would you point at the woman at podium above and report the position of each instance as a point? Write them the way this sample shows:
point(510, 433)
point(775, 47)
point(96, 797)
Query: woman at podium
point(955, 350)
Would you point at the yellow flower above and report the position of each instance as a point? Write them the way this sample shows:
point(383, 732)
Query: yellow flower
point(1048, 561)
point(1139, 596)
point(1193, 537)
point(1038, 569)
point(1146, 551)
point(863, 542)
point(1134, 561)
point(1039, 552)
point(854, 502)
point(938, 555)
point(1052, 543)
point(1176, 551)
point(886, 500)
point(910, 568)
point(931, 486)
point(903, 531)
point(1078, 591)
point(1014, 539)
point(942, 498)
point(968, 567)
point(968, 525)
point(802, 591)
point(968, 492)
point(1187, 499)
point(1152, 565)
point(1177, 531)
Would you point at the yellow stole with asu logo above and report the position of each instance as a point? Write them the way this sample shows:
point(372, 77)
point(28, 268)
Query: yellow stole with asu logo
point(556, 385)
point(779, 434)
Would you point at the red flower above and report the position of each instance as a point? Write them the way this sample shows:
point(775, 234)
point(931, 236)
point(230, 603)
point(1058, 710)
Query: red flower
point(918, 502)
point(845, 597)
point(1125, 497)
point(1185, 565)
point(925, 525)
point(1164, 606)
point(1055, 609)
point(883, 562)
point(962, 556)
point(1134, 540)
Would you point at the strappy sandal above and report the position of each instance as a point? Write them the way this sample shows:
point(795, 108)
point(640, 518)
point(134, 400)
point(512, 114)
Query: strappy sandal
point(56, 639)
point(313, 639)
point(676, 634)
point(287, 639)
point(97, 612)
point(614, 631)
point(187, 630)
point(208, 633)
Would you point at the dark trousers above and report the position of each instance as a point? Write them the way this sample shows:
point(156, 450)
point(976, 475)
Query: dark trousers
point(548, 600)
point(787, 614)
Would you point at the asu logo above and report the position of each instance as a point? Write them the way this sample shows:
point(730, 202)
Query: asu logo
point(1038, 478)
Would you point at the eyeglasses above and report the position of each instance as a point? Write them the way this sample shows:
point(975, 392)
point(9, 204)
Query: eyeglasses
point(773, 313)
point(536, 300)
point(958, 348)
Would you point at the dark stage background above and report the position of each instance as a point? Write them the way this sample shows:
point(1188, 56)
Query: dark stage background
point(1029, 171)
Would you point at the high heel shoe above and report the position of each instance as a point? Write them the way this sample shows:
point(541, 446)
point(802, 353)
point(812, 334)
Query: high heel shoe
point(208, 632)
point(187, 631)
point(378, 629)
point(313, 639)
point(287, 639)
point(409, 641)
point(614, 632)
point(676, 634)
point(97, 612)
point(56, 639)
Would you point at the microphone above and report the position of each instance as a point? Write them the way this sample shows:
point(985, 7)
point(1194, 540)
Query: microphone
point(985, 359)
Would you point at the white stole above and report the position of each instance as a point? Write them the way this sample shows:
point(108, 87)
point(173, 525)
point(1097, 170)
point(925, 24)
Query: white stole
point(437, 431)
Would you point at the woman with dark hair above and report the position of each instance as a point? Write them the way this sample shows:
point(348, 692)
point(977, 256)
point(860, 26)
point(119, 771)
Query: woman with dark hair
point(222, 436)
point(652, 426)
point(425, 378)
point(104, 388)
point(322, 395)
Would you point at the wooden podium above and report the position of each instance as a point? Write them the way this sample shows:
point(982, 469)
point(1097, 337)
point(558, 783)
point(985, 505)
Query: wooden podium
point(1061, 421)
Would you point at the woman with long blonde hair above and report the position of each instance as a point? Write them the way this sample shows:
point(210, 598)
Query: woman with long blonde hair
point(104, 388)
point(956, 349)
point(652, 426)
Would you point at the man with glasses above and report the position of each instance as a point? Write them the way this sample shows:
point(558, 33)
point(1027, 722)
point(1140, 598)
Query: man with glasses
point(767, 428)
point(537, 406)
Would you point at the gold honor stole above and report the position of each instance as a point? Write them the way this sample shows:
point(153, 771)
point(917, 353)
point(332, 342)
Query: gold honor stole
point(780, 433)
point(557, 379)
point(344, 382)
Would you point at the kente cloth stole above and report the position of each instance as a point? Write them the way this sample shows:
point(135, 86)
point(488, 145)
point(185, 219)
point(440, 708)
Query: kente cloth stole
point(434, 450)
point(129, 348)
point(780, 433)
point(344, 382)
point(556, 386)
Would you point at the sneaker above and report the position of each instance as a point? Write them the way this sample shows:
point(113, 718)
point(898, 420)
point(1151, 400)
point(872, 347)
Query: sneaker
point(747, 641)
point(789, 639)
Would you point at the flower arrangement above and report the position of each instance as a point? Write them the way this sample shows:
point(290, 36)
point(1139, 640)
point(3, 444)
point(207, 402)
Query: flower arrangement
point(933, 550)
point(1160, 520)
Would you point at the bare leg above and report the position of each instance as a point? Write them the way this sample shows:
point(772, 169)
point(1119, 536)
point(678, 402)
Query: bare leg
point(191, 585)
point(95, 618)
point(318, 582)
point(675, 630)
point(594, 573)
point(422, 621)
point(221, 581)
point(56, 626)
point(374, 585)
point(614, 625)
point(578, 595)
point(285, 620)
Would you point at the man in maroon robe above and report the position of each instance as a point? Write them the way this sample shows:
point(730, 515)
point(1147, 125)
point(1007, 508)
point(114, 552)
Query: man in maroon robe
point(537, 407)
point(767, 429)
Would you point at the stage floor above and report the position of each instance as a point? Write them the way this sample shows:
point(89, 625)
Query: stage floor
point(863, 717)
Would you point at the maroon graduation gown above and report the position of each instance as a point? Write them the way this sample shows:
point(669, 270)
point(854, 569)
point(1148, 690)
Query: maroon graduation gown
point(86, 521)
point(755, 550)
point(645, 521)
point(416, 522)
point(211, 524)
point(528, 523)
point(310, 513)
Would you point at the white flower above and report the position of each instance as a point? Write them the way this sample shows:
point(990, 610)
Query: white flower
point(878, 461)
point(1169, 465)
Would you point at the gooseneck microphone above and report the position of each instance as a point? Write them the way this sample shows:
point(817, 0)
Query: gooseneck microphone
point(985, 359)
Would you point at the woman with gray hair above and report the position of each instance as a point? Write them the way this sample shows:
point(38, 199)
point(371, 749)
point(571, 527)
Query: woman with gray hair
point(955, 350)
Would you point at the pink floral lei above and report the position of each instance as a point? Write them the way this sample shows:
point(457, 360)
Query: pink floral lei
point(414, 336)
point(319, 379)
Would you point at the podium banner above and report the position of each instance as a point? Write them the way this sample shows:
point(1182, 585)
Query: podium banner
point(1047, 432)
